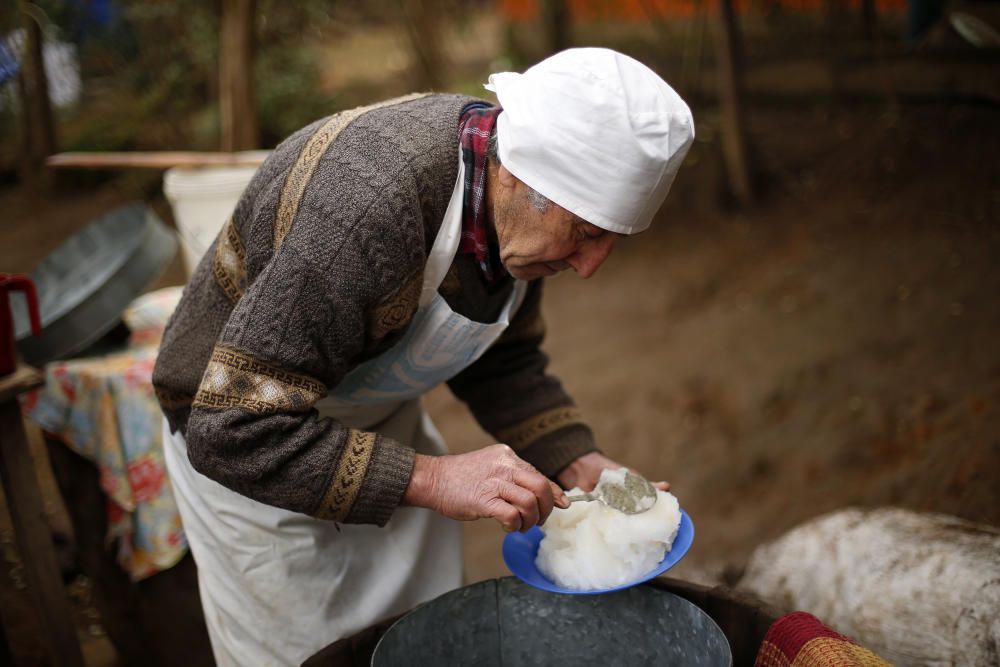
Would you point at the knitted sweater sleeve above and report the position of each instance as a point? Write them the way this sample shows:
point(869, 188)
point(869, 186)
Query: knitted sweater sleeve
point(513, 397)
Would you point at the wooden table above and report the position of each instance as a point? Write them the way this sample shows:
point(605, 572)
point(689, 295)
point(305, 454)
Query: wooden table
point(34, 540)
point(155, 159)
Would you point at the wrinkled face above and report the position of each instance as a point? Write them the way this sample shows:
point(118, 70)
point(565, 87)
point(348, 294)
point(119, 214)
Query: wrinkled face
point(534, 244)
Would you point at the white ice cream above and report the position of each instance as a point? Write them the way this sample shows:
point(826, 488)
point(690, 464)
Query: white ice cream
point(591, 546)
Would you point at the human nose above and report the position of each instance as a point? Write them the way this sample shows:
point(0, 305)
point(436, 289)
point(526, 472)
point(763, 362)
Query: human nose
point(591, 255)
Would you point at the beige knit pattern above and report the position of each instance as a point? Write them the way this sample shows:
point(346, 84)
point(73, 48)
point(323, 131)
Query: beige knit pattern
point(229, 263)
point(305, 165)
point(347, 479)
point(523, 434)
point(234, 379)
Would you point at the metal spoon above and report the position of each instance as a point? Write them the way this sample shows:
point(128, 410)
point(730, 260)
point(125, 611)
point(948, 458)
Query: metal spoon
point(634, 495)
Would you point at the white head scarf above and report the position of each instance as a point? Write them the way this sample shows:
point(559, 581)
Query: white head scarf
point(596, 132)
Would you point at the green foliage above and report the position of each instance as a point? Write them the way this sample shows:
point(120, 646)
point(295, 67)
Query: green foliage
point(288, 94)
point(150, 80)
point(286, 74)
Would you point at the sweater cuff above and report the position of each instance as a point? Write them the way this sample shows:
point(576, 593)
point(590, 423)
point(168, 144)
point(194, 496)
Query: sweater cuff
point(386, 482)
point(551, 454)
point(368, 491)
point(551, 440)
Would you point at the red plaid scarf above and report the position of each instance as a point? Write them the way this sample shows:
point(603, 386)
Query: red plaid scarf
point(474, 130)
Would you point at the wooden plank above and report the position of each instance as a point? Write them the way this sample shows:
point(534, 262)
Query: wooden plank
point(155, 159)
point(24, 378)
point(24, 501)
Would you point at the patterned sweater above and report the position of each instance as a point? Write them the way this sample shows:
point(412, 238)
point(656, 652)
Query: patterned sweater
point(319, 270)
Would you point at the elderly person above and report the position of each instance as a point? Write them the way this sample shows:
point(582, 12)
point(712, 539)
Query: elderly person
point(376, 254)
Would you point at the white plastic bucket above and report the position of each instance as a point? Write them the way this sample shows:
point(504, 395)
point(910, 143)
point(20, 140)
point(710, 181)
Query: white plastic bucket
point(202, 199)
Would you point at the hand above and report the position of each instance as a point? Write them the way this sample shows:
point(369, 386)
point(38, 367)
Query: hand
point(492, 482)
point(586, 471)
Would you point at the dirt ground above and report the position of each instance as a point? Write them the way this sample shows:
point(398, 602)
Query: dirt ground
point(834, 345)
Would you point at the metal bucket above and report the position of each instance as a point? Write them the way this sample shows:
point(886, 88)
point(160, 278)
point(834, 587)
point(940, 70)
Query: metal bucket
point(86, 283)
point(506, 622)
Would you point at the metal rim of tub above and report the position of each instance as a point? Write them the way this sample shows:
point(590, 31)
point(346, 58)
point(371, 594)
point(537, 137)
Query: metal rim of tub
point(86, 283)
point(497, 622)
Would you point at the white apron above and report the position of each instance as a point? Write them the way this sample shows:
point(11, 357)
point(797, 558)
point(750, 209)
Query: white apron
point(277, 586)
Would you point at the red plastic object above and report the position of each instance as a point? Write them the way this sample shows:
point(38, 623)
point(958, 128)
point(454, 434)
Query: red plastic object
point(10, 283)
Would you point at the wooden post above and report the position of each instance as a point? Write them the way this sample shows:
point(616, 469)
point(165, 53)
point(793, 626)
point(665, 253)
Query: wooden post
point(31, 530)
point(423, 28)
point(39, 140)
point(869, 19)
point(513, 43)
point(555, 18)
point(734, 141)
point(237, 108)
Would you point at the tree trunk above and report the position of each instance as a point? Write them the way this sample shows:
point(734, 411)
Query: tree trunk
point(237, 109)
point(423, 27)
point(734, 140)
point(869, 19)
point(39, 129)
point(555, 19)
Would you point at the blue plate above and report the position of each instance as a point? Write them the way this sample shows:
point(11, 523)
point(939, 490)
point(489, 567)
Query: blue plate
point(520, 550)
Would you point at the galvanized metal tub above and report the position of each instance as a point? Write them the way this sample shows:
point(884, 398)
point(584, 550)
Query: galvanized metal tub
point(506, 622)
point(85, 284)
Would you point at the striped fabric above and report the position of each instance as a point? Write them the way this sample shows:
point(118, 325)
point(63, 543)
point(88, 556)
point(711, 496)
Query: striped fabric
point(474, 129)
point(801, 640)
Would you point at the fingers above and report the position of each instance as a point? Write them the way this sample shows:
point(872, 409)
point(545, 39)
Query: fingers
point(505, 514)
point(561, 501)
point(540, 487)
point(547, 493)
point(511, 508)
point(522, 497)
point(524, 501)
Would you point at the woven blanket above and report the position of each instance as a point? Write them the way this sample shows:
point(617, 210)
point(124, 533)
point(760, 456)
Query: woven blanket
point(801, 640)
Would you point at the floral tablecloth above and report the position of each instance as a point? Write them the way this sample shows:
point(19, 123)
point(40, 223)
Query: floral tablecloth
point(104, 409)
